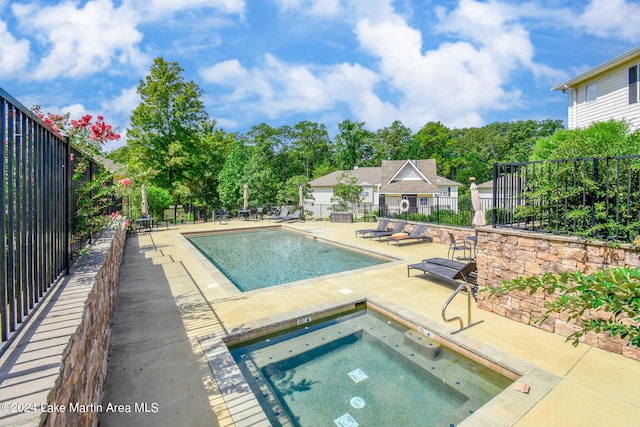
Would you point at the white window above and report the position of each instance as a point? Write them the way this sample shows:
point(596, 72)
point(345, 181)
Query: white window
point(366, 191)
point(591, 92)
point(634, 84)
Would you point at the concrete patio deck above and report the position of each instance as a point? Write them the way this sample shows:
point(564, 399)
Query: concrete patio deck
point(169, 301)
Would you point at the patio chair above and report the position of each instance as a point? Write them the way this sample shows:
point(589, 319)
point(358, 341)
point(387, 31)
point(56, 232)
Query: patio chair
point(382, 226)
point(399, 228)
point(282, 213)
point(458, 245)
point(221, 215)
point(259, 213)
point(416, 234)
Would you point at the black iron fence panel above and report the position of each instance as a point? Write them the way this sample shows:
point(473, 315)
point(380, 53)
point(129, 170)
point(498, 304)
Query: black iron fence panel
point(445, 210)
point(38, 207)
point(590, 197)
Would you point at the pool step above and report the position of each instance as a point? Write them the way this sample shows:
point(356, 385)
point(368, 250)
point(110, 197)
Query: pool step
point(424, 345)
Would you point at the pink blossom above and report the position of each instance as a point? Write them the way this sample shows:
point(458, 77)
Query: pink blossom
point(125, 182)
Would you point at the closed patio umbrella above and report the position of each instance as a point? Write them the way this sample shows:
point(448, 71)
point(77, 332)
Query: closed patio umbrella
point(479, 217)
point(246, 197)
point(300, 197)
point(144, 208)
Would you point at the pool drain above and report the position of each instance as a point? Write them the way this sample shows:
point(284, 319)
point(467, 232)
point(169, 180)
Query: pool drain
point(357, 402)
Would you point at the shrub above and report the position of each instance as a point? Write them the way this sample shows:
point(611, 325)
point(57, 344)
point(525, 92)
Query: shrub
point(615, 291)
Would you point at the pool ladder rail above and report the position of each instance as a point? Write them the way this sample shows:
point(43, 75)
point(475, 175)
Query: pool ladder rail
point(470, 293)
point(324, 223)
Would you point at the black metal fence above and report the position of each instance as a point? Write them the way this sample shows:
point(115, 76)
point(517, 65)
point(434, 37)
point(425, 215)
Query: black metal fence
point(592, 197)
point(445, 210)
point(38, 206)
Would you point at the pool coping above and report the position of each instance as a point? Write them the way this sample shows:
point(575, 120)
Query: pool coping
point(504, 409)
point(222, 281)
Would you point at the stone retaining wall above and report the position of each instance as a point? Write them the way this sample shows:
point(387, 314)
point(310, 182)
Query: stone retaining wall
point(438, 233)
point(84, 360)
point(508, 254)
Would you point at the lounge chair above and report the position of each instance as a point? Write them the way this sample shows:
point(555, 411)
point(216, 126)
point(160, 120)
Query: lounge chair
point(416, 234)
point(283, 212)
point(382, 226)
point(295, 216)
point(449, 270)
point(399, 228)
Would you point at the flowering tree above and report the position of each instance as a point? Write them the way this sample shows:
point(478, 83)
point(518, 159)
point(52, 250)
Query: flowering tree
point(94, 191)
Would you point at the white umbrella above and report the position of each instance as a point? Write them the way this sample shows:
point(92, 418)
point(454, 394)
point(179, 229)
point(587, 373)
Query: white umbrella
point(246, 197)
point(478, 218)
point(300, 196)
point(145, 206)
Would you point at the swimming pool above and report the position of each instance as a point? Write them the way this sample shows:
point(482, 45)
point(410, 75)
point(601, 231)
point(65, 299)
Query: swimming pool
point(268, 257)
point(362, 368)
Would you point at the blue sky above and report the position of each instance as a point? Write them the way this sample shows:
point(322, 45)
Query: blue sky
point(464, 63)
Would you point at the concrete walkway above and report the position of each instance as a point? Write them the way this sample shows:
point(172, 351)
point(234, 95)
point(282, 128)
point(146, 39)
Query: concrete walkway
point(170, 299)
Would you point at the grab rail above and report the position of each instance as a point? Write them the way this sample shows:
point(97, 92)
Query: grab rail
point(453, 295)
point(324, 220)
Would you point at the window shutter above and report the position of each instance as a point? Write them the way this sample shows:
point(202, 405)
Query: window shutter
point(633, 84)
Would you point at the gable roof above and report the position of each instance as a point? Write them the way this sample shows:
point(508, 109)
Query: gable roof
point(394, 177)
point(604, 67)
point(365, 176)
point(412, 176)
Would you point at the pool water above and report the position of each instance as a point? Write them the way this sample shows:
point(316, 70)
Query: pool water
point(259, 259)
point(364, 369)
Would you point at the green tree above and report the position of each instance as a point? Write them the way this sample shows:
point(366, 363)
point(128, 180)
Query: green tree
point(203, 165)
point(433, 141)
point(353, 145)
point(289, 192)
point(389, 143)
point(601, 139)
point(346, 193)
point(158, 199)
point(522, 137)
point(475, 151)
point(311, 147)
point(166, 123)
point(232, 176)
point(263, 183)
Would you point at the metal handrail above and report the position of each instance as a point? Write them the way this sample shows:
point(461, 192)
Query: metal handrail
point(324, 220)
point(446, 304)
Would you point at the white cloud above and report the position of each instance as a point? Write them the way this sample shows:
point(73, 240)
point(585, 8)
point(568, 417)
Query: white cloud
point(14, 53)
point(457, 81)
point(155, 8)
point(81, 41)
point(609, 18)
point(326, 8)
point(123, 104)
point(275, 88)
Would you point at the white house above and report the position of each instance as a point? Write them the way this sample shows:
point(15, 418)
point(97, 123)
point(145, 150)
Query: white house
point(386, 186)
point(609, 91)
point(322, 189)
